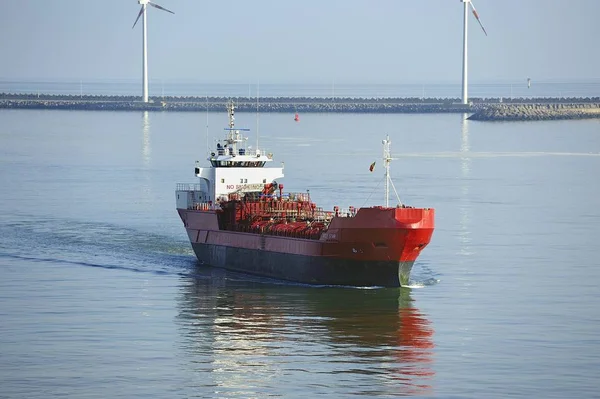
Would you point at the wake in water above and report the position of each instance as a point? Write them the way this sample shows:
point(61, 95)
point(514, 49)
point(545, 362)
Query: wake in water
point(422, 284)
point(94, 245)
point(62, 241)
point(422, 276)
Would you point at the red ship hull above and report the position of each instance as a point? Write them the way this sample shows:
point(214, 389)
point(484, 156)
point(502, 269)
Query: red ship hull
point(375, 247)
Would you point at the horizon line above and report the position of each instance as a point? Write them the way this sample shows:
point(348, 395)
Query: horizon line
point(158, 81)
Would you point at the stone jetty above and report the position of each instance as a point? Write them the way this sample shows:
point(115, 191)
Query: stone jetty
point(489, 109)
point(537, 112)
point(243, 104)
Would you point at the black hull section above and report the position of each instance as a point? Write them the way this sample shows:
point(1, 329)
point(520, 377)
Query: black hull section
point(317, 270)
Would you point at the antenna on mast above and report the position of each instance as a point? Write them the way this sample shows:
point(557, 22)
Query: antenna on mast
point(207, 148)
point(257, 131)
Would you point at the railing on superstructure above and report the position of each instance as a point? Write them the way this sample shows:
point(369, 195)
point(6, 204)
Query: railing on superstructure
point(349, 212)
point(194, 197)
point(251, 152)
point(188, 187)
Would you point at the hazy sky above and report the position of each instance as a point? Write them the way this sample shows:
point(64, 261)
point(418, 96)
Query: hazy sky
point(278, 41)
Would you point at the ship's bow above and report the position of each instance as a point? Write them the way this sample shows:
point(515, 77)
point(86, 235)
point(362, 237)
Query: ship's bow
point(380, 236)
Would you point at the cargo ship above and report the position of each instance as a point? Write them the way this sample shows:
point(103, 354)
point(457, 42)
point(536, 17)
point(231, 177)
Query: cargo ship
point(238, 217)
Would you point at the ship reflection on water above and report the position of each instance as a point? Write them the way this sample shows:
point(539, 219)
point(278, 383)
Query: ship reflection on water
point(245, 338)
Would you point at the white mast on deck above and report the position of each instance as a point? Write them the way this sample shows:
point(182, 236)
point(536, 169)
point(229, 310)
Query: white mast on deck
point(144, 44)
point(387, 158)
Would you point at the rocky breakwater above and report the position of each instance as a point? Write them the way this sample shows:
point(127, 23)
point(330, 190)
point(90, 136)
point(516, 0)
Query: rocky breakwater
point(537, 112)
point(482, 109)
point(243, 104)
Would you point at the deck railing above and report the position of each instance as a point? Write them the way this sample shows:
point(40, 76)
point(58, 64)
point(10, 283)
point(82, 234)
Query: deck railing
point(188, 187)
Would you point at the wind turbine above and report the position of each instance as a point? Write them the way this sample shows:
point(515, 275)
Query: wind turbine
point(467, 4)
point(145, 46)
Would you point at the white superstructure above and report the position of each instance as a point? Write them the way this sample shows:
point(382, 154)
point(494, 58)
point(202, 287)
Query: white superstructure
point(234, 168)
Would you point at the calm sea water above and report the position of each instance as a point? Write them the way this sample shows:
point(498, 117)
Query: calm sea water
point(100, 294)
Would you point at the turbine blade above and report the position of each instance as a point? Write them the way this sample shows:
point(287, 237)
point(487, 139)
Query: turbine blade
point(138, 17)
point(159, 7)
point(477, 17)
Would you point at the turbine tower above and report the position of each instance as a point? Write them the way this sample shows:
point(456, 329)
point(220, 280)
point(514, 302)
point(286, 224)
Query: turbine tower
point(467, 4)
point(144, 43)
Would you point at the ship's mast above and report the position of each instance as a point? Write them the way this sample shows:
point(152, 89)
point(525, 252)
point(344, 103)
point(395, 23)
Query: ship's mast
point(386, 163)
point(233, 136)
point(387, 158)
point(231, 112)
point(231, 139)
point(257, 131)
